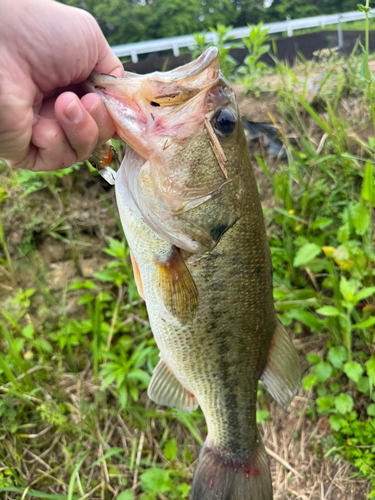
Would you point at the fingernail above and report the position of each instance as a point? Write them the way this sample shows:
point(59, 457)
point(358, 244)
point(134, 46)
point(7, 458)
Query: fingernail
point(74, 112)
point(97, 111)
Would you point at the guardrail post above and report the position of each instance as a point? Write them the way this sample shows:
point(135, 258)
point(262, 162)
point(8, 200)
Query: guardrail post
point(340, 34)
point(176, 50)
point(288, 26)
point(323, 22)
point(134, 56)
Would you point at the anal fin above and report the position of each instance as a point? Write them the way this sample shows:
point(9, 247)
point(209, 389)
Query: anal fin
point(282, 373)
point(177, 286)
point(166, 390)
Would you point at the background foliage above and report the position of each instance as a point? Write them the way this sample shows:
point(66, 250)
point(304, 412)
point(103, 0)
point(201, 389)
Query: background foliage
point(125, 21)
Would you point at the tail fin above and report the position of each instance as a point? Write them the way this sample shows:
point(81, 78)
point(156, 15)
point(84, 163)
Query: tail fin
point(227, 476)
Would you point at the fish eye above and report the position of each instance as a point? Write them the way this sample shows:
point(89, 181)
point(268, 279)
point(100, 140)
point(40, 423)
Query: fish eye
point(224, 121)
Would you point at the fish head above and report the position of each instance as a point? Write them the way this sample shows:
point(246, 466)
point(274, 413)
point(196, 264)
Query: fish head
point(185, 123)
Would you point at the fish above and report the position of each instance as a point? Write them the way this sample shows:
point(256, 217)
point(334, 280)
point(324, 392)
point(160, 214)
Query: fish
point(190, 209)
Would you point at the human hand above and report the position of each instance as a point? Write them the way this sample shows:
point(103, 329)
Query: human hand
point(46, 49)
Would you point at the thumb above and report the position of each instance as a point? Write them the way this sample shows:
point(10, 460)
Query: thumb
point(108, 62)
point(16, 105)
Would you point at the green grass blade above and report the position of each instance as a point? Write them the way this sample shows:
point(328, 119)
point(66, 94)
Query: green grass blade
point(36, 494)
point(322, 124)
point(74, 475)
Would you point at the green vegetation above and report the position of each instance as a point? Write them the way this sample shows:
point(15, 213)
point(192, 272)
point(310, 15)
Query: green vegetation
point(77, 350)
point(124, 21)
point(224, 46)
point(253, 68)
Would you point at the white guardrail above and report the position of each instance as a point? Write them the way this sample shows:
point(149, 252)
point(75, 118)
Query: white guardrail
point(289, 25)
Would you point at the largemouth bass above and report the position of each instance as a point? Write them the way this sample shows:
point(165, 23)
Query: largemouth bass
point(190, 209)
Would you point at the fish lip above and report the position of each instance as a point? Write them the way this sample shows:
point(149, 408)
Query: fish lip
point(96, 82)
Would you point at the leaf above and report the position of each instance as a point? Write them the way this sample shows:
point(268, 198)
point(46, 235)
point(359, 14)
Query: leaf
point(348, 288)
point(300, 241)
point(363, 385)
point(123, 397)
point(321, 223)
point(108, 381)
point(325, 403)
point(343, 234)
point(360, 217)
point(170, 450)
point(365, 292)
point(139, 375)
point(335, 422)
point(314, 358)
point(28, 331)
point(43, 344)
point(343, 403)
point(306, 253)
point(368, 191)
point(370, 365)
point(77, 285)
point(308, 382)
point(365, 324)
point(353, 370)
point(328, 311)
point(85, 298)
point(337, 356)
point(156, 481)
point(307, 318)
point(107, 275)
point(371, 410)
point(261, 416)
point(323, 371)
point(125, 495)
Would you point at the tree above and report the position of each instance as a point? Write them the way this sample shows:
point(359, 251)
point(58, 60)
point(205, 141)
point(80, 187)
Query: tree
point(280, 9)
point(125, 21)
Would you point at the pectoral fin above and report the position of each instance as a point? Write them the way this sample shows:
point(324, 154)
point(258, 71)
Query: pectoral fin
point(282, 373)
point(166, 390)
point(177, 286)
point(137, 276)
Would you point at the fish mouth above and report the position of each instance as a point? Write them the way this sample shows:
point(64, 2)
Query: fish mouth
point(163, 89)
point(173, 104)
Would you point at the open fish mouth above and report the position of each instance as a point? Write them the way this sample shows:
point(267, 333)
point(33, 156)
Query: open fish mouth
point(148, 108)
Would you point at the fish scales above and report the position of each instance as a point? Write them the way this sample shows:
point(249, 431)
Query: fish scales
point(202, 262)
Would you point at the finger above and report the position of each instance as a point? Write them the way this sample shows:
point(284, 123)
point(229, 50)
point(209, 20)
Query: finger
point(108, 62)
point(49, 148)
point(16, 119)
point(79, 127)
point(95, 106)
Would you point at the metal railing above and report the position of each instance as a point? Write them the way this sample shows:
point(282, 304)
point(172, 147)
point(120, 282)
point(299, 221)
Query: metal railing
point(288, 26)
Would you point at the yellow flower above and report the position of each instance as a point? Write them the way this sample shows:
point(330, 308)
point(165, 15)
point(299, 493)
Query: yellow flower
point(345, 265)
point(291, 212)
point(328, 251)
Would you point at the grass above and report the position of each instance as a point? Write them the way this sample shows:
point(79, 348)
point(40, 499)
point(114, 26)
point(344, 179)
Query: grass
point(75, 421)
